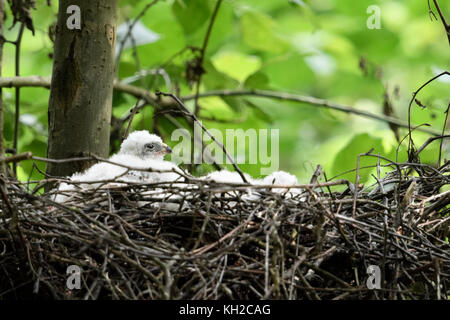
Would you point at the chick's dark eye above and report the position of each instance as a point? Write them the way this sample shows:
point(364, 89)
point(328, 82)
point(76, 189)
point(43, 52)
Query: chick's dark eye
point(150, 146)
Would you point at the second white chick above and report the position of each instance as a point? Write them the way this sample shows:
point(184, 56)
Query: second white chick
point(282, 178)
point(225, 176)
point(229, 177)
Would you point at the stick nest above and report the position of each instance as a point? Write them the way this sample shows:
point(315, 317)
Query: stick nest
point(215, 242)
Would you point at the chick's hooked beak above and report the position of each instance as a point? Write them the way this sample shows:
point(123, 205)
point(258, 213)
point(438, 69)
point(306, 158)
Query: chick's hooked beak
point(167, 148)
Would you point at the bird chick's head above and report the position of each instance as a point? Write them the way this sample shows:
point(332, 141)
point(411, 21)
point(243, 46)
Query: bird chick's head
point(144, 145)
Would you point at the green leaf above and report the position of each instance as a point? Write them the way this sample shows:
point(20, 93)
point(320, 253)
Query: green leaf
point(215, 80)
point(382, 44)
point(258, 80)
point(126, 69)
point(191, 14)
point(347, 158)
point(430, 154)
point(258, 33)
point(38, 148)
point(259, 112)
point(118, 98)
point(290, 72)
point(172, 34)
point(237, 104)
point(236, 65)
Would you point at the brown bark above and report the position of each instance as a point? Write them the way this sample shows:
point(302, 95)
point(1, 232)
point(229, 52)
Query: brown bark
point(82, 85)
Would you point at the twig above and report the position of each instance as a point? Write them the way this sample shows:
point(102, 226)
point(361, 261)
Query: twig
point(430, 140)
point(17, 157)
point(355, 189)
point(443, 131)
point(17, 44)
point(181, 104)
point(415, 93)
point(444, 22)
point(132, 114)
point(202, 55)
point(130, 29)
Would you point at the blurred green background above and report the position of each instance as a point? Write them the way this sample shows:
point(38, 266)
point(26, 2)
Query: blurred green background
point(320, 48)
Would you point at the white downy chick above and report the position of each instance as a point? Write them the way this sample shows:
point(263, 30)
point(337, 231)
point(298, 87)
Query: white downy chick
point(144, 145)
point(141, 150)
point(282, 178)
point(225, 176)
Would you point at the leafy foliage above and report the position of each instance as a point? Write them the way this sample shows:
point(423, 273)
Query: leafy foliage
point(318, 48)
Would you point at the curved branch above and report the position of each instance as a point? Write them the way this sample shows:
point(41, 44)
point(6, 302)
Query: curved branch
point(444, 22)
point(309, 100)
point(152, 99)
point(415, 93)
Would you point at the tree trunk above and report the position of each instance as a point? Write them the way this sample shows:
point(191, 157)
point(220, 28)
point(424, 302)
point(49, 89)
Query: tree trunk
point(82, 82)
